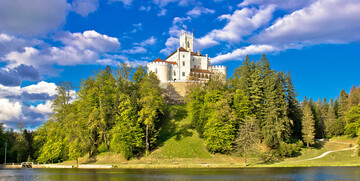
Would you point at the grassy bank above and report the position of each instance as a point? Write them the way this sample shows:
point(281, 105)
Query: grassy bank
point(181, 147)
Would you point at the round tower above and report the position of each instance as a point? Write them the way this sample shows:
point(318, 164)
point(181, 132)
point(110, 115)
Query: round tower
point(219, 69)
point(161, 69)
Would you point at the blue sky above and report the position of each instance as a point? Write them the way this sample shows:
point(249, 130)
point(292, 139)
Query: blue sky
point(43, 42)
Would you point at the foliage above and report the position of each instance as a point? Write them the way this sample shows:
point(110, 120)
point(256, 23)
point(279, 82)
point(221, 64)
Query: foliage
point(353, 122)
point(220, 129)
point(247, 137)
point(308, 124)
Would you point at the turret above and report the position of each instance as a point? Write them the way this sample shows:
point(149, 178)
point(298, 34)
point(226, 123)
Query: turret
point(187, 41)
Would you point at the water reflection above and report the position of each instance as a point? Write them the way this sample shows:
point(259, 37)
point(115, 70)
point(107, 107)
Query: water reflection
point(311, 173)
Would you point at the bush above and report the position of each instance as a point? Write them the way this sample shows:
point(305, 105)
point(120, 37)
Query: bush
point(103, 148)
point(289, 149)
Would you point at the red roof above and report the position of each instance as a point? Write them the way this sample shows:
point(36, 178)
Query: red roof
point(200, 71)
point(158, 60)
point(173, 63)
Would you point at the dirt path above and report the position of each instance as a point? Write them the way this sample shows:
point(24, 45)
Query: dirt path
point(325, 153)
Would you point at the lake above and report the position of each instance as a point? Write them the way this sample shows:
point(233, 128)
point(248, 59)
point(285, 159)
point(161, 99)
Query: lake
point(309, 173)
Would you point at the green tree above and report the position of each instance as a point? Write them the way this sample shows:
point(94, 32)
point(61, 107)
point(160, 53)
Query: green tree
point(308, 124)
point(219, 131)
point(247, 137)
point(127, 135)
point(353, 121)
point(151, 103)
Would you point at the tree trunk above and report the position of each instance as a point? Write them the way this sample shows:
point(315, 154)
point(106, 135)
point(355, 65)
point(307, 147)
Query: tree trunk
point(147, 140)
point(244, 156)
point(77, 162)
point(307, 144)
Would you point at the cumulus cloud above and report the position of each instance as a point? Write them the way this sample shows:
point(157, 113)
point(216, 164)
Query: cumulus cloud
point(41, 87)
point(33, 17)
point(9, 110)
point(241, 23)
point(125, 2)
point(79, 48)
point(149, 41)
point(288, 4)
point(145, 8)
point(174, 31)
point(42, 108)
point(10, 43)
point(85, 7)
point(162, 12)
point(240, 53)
point(199, 10)
point(14, 76)
point(163, 3)
point(135, 50)
point(91, 40)
point(9, 77)
point(335, 21)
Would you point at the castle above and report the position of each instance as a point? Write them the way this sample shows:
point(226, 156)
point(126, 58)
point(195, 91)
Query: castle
point(184, 63)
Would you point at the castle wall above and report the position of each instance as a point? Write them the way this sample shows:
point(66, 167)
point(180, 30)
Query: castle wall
point(161, 69)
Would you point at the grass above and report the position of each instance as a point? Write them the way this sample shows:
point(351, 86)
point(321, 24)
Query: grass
point(181, 147)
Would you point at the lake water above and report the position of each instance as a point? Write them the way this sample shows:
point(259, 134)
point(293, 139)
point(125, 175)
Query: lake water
point(313, 173)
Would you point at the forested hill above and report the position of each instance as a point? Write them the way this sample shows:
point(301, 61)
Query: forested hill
point(123, 111)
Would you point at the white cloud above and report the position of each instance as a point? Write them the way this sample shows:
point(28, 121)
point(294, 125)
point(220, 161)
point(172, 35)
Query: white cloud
point(287, 4)
point(162, 12)
point(145, 8)
point(171, 44)
point(41, 87)
point(199, 10)
point(85, 7)
point(241, 23)
point(10, 43)
point(126, 2)
point(163, 3)
point(149, 41)
point(33, 17)
point(240, 53)
point(91, 40)
point(326, 21)
point(9, 110)
point(9, 91)
point(174, 31)
point(80, 48)
point(42, 108)
point(135, 50)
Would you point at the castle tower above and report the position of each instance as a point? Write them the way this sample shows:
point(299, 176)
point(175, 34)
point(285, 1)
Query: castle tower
point(187, 41)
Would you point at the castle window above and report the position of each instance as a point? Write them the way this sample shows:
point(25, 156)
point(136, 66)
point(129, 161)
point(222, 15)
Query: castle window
point(174, 73)
point(183, 74)
point(155, 70)
point(183, 56)
point(189, 44)
point(183, 63)
point(194, 66)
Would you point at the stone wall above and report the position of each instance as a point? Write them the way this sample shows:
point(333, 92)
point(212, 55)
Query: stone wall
point(175, 92)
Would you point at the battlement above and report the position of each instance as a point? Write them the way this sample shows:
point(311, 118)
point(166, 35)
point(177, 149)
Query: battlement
point(158, 63)
point(217, 67)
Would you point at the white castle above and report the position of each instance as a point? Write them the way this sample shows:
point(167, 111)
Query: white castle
point(184, 62)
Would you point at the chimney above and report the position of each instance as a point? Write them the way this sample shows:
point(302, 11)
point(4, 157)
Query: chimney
point(198, 52)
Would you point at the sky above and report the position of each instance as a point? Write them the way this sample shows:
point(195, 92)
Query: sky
point(44, 42)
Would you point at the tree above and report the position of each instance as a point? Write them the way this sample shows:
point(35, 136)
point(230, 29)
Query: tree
point(294, 109)
point(353, 121)
point(247, 137)
point(308, 124)
point(151, 103)
point(127, 135)
point(219, 131)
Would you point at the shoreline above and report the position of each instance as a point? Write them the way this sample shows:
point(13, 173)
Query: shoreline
point(167, 166)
